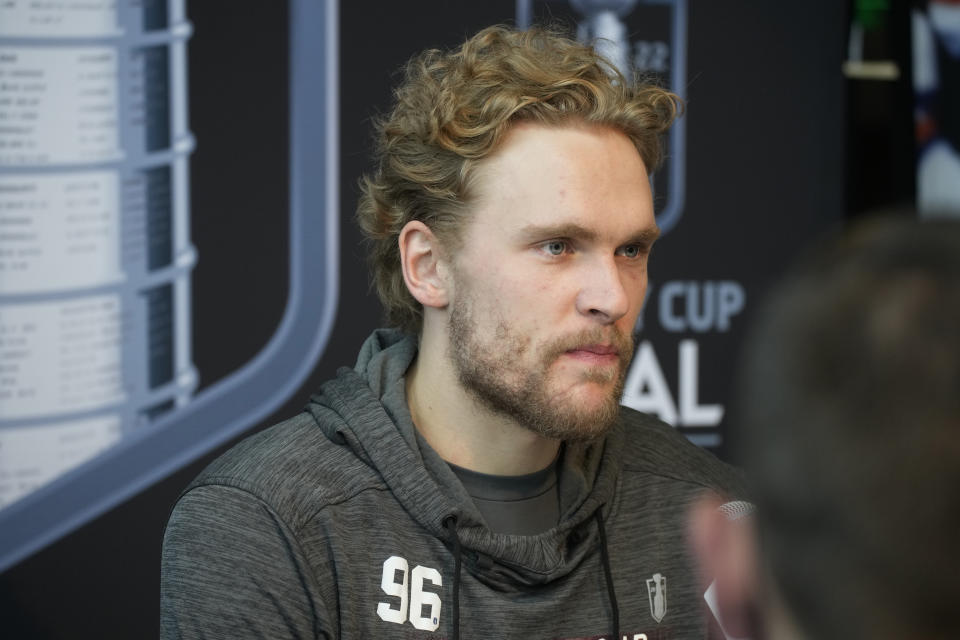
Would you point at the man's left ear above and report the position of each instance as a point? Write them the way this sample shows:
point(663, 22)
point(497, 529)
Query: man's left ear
point(422, 263)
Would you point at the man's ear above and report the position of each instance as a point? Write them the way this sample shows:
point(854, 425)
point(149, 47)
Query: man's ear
point(422, 264)
point(726, 551)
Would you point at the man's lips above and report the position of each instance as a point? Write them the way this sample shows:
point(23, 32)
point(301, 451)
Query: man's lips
point(595, 353)
point(598, 349)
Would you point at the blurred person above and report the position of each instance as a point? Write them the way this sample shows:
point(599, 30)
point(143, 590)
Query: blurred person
point(474, 475)
point(849, 431)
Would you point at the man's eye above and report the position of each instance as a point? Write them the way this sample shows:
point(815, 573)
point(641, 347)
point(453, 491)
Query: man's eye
point(631, 251)
point(556, 247)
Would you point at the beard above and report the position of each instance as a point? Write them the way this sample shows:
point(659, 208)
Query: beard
point(493, 373)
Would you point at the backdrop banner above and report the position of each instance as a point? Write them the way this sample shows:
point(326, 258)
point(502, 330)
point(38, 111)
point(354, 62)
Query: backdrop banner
point(190, 246)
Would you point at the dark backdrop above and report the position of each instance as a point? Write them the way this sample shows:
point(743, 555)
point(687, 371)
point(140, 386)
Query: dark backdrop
point(765, 170)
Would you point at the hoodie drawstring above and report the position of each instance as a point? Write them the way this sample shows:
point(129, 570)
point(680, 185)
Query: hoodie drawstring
point(450, 523)
point(608, 574)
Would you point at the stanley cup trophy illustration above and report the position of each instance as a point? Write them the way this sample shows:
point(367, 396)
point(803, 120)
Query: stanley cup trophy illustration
point(602, 25)
point(98, 392)
point(95, 253)
point(645, 37)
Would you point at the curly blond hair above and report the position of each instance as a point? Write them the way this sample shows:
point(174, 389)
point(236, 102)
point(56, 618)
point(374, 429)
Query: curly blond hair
point(451, 111)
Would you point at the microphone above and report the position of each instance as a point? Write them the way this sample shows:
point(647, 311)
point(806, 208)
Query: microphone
point(736, 509)
point(732, 511)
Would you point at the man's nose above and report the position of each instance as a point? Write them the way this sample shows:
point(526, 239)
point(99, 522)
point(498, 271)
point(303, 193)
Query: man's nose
point(602, 295)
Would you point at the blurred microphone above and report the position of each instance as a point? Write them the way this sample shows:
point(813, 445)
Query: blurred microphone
point(732, 511)
point(736, 509)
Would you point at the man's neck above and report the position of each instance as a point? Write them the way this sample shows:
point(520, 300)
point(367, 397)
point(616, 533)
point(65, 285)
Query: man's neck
point(462, 430)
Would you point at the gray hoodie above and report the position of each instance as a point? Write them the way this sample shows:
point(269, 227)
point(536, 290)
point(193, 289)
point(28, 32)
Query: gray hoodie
point(343, 523)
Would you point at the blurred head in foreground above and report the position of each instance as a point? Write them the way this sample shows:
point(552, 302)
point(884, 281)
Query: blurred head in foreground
point(849, 431)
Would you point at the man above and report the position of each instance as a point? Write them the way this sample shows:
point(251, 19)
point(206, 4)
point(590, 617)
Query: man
point(474, 474)
point(850, 433)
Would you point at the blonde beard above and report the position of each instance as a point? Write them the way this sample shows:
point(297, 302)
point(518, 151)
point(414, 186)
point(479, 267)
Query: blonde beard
point(490, 373)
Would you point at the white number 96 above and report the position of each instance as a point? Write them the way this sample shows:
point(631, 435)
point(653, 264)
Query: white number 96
point(414, 599)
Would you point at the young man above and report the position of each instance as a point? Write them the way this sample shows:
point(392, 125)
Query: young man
point(850, 432)
point(474, 474)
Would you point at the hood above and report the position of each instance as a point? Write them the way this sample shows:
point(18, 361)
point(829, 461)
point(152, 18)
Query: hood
point(365, 408)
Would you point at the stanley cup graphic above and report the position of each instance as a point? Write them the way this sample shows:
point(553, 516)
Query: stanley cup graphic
point(645, 37)
point(602, 24)
point(95, 255)
point(98, 393)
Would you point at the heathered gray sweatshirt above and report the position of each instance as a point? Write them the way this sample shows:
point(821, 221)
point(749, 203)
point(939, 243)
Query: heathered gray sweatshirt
point(342, 523)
